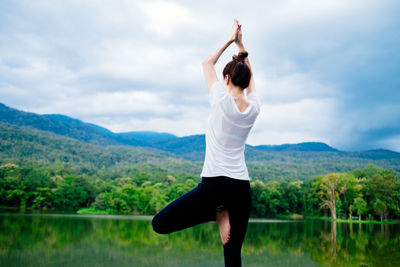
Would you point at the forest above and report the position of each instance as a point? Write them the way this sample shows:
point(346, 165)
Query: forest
point(370, 193)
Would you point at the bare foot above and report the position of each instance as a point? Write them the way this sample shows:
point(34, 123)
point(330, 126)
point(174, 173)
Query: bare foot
point(222, 218)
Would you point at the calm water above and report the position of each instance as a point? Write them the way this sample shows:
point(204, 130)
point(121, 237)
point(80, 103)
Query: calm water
point(60, 240)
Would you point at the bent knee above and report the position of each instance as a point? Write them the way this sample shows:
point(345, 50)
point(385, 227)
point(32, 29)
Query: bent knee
point(159, 226)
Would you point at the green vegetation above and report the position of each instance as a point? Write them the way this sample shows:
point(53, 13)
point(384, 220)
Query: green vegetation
point(370, 193)
point(25, 145)
point(51, 163)
point(28, 146)
point(94, 211)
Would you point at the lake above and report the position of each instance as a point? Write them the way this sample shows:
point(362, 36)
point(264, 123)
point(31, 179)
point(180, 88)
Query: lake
point(76, 240)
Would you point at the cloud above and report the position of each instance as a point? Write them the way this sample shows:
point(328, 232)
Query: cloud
point(293, 122)
point(164, 17)
point(325, 71)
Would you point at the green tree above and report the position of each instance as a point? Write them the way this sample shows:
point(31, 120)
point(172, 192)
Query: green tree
point(101, 201)
point(43, 199)
point(351, 208)
point(360, 206)
point(349, 190)
point(117, 202)
point(158, 198)
point(311, 198)
point(259, 199)
point(74, 193)
point(273, 198)
point(384, 185)
point(380, 208)
point(330, 188)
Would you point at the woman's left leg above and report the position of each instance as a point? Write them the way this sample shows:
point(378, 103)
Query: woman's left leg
point(193, 207)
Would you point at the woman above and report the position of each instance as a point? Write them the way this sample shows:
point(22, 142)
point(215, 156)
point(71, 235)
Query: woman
point(224, 195)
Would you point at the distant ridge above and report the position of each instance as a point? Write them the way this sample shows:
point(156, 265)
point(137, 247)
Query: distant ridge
point(306, 146)
point(143, 138)
point(26, 136)
point(191, 147)
point(377, 154)
point(148, 135)
point(58, 124)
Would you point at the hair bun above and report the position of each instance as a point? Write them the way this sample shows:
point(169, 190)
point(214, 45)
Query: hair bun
point(240, 57)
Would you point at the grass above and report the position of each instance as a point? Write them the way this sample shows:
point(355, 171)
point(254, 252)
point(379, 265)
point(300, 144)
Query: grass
point(94, 211)
point(293, 216)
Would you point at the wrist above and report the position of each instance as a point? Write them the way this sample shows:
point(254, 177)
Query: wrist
point(241, 47)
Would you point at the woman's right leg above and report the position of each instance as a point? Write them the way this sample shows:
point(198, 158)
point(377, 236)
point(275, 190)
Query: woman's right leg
point(192, 208)
point(239, 213)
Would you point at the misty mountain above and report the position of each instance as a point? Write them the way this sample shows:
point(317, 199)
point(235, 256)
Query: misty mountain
point(45, 138)
point(94, 134)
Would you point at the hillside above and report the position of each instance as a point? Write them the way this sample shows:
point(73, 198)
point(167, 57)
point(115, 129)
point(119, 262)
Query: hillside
point(190, 147)
point(87, 147)
point(26, 145)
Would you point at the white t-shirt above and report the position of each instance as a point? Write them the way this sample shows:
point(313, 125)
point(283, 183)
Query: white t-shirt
point(226, 134)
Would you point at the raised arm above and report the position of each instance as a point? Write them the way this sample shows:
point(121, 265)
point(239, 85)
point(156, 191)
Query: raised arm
point(209, 63)
point(251, 88)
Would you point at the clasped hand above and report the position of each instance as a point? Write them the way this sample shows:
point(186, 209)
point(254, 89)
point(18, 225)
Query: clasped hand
point(236, 34)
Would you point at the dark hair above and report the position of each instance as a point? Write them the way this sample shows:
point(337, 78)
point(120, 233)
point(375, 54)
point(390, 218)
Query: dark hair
point(238, 70)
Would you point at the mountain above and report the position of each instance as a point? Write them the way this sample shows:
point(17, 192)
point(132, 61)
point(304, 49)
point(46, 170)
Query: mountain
point(46, 138)
point(306, 146)
point(58, 124)
point(143, 138)
point(190, 147)
point(23, 145)
point(148, 136)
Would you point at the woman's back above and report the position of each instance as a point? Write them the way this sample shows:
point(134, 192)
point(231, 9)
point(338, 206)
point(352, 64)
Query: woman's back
point(226, 134)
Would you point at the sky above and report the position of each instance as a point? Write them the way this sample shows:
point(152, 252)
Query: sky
point(325, 71)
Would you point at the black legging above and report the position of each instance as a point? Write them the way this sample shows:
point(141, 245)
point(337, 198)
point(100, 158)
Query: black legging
point(200, 205)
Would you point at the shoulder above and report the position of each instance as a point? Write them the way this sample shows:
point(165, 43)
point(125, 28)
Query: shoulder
point(217, 92)
point(253, 98)
point(217, 85)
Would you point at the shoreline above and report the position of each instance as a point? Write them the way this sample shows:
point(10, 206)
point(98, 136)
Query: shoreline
point(84, 213)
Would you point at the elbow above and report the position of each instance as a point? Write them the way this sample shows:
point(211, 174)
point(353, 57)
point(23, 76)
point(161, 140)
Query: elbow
point(207, 66)
point(207, 62)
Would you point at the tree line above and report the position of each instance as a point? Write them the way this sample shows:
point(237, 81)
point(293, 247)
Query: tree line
point(368, 193)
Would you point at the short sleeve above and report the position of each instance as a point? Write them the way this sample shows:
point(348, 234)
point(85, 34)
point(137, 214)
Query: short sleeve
point(217, 93)
point(253, 98)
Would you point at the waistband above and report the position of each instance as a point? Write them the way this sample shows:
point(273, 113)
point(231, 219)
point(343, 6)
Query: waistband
point(224, 179)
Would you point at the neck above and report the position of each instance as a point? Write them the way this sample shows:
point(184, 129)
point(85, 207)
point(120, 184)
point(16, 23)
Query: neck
point(235, 91)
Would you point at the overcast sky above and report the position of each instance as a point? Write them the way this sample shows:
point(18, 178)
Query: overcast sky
point(325, 71)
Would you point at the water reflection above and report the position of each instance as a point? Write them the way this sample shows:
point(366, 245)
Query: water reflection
point(36, 240)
